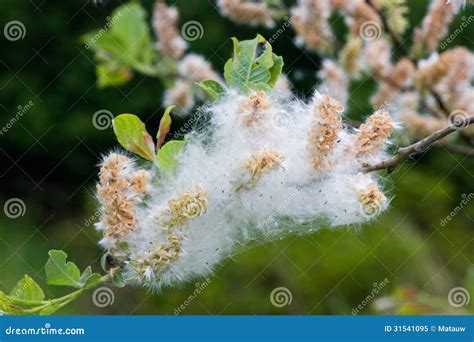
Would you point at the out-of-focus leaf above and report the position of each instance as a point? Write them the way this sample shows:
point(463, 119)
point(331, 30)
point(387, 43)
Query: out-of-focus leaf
point(110, 74)
point(168, 155)
point(253, 65)
point(165, 125)
point(133, 136)
point(212, 88)
point(27, 289)
point(123, 43)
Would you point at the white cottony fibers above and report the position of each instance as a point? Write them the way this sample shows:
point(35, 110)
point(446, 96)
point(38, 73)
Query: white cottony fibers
point(250, 175)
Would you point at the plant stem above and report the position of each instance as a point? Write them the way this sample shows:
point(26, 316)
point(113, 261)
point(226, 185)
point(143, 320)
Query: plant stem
point(419, 146)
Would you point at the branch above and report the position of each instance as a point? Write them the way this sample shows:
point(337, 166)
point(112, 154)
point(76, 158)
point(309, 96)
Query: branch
point(419, 146)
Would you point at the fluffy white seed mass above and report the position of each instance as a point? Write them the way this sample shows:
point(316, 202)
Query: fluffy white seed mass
point(263, 166)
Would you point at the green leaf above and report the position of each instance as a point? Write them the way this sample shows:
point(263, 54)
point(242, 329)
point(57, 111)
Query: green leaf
point(60, 272)
point(168, 155)
point(212, 88)
point(118, 280)
point(253, 66)
point(112, 74)
point(27, 289)
point(123, 43)
point(165, 125)
point(89, 279)
point(132, 135)
point(275, 70)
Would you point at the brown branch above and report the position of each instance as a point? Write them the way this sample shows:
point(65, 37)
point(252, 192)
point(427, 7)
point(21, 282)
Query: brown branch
point(417, 147)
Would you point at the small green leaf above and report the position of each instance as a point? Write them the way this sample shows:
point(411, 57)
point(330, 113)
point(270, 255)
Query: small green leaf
point(168, 155)
point(60, 272)
point(27, 289)
point(103, 262)
point(212, 88)
point(165, 125)
point(89, 279)
point(118, 280)
point(253, 66)
point(132, 135)
point(275, 70)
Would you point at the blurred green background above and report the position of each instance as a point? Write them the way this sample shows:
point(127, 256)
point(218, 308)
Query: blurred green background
point(49, 161)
